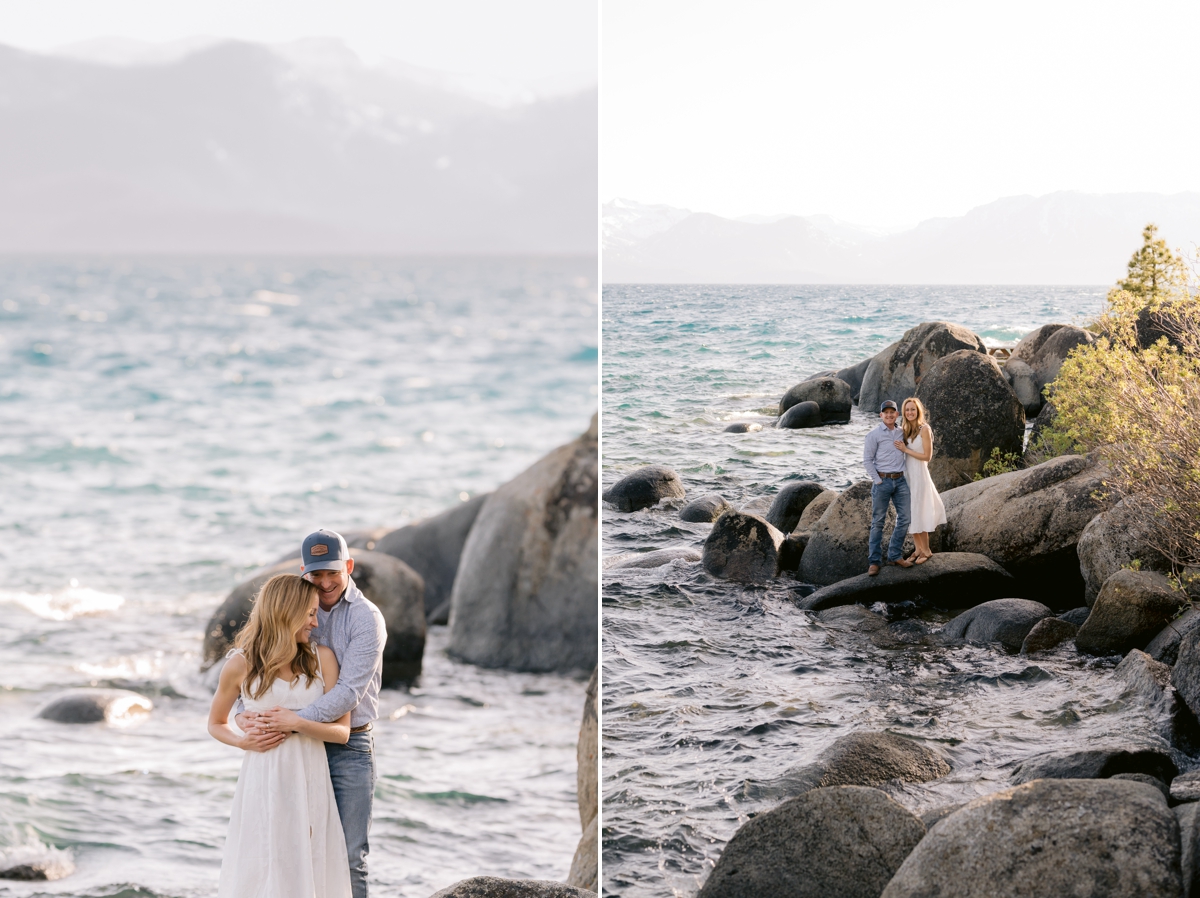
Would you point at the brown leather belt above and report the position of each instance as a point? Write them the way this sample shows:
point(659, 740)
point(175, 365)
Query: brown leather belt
point(365, 728)
point(890, 474)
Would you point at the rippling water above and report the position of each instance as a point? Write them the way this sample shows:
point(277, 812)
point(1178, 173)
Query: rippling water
point(167, 426)
point(708, 684)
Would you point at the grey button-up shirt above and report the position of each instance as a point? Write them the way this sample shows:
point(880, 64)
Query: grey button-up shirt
point(355, 630)
point(880, 452)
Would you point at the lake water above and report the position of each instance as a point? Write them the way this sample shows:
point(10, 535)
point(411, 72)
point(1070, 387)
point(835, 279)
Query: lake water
point(707, 683)
point(168, 426)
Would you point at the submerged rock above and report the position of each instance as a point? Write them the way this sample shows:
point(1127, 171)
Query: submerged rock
point(895, 372)
point(973, 412)
point(845, 841)
point(495, 887)
point(1050, 838)
point(1006, 621)
point(743, 427)
point(834, 398)
point(804, 414)
point(644, 487)
point(1132, 608)
point(1047, 634)
point(94, 706)
point(742, 547)
point(950, 579)
point(704, 510)
point(654, 559)
point(1097, 763)
point(861, 759)
point(790, 503)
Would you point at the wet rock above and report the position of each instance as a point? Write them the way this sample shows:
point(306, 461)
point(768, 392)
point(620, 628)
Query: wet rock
point(814, 510)
point(903, 634)
point(790, 503)
point(895, 373)
point(837, 547)
point(862, 759)
point(791, 552)
point(742, 547)
point(94, 706)
point(842, 841)
point(495, 887)
point(1188, 818)
point(833, 396)
point(1145, 778)
point(585, 864)
point(1048, 634)
point(854, 618)
point(804, 414)
point(525, 594)
point(1131, 609)
point(704, 510)
point(1024, 383)
point(1076, 616)
point(1149, 683)
point(1050, 838)
point(1030, 521)
point(949, 579)
point(972, 411)
point(1045, 349)
point(854, 377)
point(1097, 763)
point(1165, 646)
point(654, 559)
point(743, 427)
point(1185, 675)
point(1186, 787)
point(432, 548)
point(1006, 621)
point(1114, 539)
point(644, 487)
point(397, 590)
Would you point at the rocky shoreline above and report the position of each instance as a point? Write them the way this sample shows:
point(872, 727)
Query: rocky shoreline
point(1046, 558)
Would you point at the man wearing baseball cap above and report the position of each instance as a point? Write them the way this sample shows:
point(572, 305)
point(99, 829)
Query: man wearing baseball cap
point(353, 627)
point(885, 464)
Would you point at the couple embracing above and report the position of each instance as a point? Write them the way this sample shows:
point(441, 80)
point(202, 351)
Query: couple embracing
point(304, 678)
point(897, 458)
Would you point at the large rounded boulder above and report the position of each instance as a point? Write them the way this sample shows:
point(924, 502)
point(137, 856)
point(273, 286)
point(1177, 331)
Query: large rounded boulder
point(525, 594)
point(973, 412)
point(897, 371)
point(814, 510)
point(397, 590)
point(790, 503)
point(832, 395)
point(1114, 539)
point(1024, 383)
point(1003, 621)
point(644, 488)
point(845, 841)
point(704, 510)
point(1049, 838)
point(432, 548)
point(95, 706)
point(837, 547)
point(1044, 351)
point(742, 547)
point(1131, 609)
point(801, 415)
point(1030, 522)
point(864, 759)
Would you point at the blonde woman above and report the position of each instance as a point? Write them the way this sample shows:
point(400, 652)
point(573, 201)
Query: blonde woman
point(285, 837)
point(926, 509)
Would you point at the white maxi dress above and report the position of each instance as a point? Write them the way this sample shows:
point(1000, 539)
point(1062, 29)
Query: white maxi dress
point(926, 510)
point(285, 837)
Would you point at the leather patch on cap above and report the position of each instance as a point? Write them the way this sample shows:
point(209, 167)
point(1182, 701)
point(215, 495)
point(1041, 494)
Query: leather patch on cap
point(319, 549)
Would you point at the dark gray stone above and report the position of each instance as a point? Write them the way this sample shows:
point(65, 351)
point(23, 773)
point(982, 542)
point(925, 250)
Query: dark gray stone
point(1185, 675)
point(934, 816)
point(743, 427)
point(1145, 778)
point(854, 618)
point(1006, 621)
point(1045, 349)
point(397, 590)
point(1048, 634)
point(1101, 838)
point(94, 706)
point(742, 547)
point(791, 552)
point(790, 503)
point(854, 376)
point(704, 510)
point(972, 411)
point(1165, 646)
point(1115, 539)
point(803, 414)
point(837, 547)
point(1188, 818)
point(814, 510)
point(495, 887)
point(643, 488)
point(1097, 763)
point(654, 559)
point(861, 759)
point(432, 548)
point(834, 398)
point(950, 579)
point(841, 842)
point(895, 373)
point(1131, 609)
point(1076, 616)
point(1148, 683)
point(525, 594)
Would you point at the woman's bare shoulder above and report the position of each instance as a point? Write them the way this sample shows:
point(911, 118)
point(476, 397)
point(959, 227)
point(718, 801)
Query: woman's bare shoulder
point(325, 653)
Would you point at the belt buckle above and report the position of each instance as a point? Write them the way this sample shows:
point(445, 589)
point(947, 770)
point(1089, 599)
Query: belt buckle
point(365, 728)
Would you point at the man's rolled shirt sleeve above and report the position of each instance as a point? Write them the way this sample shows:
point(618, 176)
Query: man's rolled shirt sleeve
point(869, 448)
point(356, 668)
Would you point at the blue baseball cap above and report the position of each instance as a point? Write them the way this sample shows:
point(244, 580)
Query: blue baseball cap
point(887, 403)
point(324, 550)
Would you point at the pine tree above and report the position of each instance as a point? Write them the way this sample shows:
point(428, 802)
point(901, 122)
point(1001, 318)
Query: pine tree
point(1154, 270)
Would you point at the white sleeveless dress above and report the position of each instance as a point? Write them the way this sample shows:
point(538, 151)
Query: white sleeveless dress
point(285, 837)
point(926, 508)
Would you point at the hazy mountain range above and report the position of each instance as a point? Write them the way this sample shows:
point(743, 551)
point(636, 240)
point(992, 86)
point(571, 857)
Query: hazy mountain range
point(1060, 238)
point(238, 147)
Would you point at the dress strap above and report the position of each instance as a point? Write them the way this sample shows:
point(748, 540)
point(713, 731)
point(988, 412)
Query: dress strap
point(320, 672)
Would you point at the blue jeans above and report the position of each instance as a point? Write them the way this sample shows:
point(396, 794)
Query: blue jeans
point(352, 769)
point(894, 490)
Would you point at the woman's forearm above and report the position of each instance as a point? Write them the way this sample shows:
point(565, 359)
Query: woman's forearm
point(326, 732)
point(223, 732)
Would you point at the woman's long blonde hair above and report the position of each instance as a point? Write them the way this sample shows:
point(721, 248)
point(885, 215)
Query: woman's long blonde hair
point(912, 428)
point(269, 638)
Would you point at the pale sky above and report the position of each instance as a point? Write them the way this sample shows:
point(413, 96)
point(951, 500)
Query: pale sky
point(528, 41)
point(885, 113)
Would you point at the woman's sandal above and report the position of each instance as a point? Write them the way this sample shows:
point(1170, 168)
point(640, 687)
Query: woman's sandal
point(921, 559)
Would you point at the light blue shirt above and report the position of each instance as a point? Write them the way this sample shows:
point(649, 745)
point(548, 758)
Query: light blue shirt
point(355, 630)
point(880, 452)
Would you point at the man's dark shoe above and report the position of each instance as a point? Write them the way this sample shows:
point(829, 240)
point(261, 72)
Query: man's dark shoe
point(901, 562)
point(873, 570)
